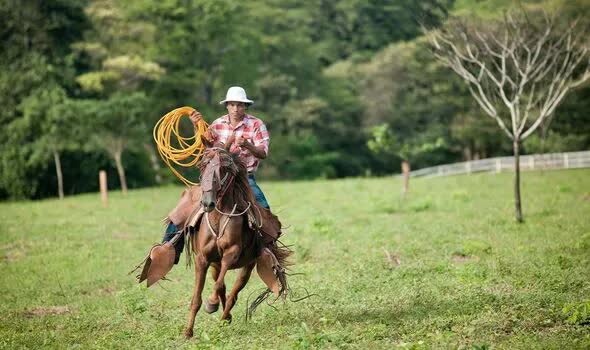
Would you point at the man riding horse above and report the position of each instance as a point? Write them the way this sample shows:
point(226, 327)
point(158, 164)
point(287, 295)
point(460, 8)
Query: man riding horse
point(237, 132)
point(226, 220)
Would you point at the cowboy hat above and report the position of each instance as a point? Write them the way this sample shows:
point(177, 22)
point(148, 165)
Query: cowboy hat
point(236, 94)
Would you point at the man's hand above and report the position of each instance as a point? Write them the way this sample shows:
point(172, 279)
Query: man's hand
point(258, 152)
point(242, 142)
point(195, 116)
point(230, 140)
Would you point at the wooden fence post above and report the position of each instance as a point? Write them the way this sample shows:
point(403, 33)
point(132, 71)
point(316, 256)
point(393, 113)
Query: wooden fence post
point(102, 178)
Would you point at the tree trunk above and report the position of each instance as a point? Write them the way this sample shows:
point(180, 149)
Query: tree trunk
point(121, 172)
point(467, 153)
point(518, 208)
point(60, 178)
point(406, 176)
point(155, 163)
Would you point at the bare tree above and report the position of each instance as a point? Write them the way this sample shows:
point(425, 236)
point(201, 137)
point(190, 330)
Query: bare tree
point(517, 70)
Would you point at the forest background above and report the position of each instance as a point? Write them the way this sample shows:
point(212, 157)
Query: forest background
point(83, 82)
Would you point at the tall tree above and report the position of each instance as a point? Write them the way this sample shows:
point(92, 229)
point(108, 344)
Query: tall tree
point(342, 29)
point(118, 123)
point(404, 88)
point(120, 52)
point(35, 57)
point(518, 71)
point(52, 111)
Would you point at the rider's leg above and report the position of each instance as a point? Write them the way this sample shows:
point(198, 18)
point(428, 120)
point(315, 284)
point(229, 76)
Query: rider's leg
point(171, 231)
point(260, 198)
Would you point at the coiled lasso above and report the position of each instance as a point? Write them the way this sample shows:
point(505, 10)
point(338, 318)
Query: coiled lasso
point(190, 149)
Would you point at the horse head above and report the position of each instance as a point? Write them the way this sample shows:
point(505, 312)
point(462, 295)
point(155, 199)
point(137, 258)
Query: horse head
point(218, 169)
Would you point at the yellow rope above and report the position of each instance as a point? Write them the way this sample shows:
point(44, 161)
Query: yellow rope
point(191, 148)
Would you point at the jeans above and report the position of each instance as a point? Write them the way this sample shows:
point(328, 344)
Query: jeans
point(171, 231)
point(260, 198)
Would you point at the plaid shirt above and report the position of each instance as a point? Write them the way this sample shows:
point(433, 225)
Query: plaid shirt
point(250, 128)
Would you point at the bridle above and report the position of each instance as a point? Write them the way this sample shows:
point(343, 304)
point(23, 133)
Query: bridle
point(228, 179)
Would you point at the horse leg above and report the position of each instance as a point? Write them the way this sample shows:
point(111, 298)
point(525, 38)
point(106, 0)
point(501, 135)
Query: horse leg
point(230, 257)
point(241, 280)
point(200, 274)
point(219, 291)
point(212, 303)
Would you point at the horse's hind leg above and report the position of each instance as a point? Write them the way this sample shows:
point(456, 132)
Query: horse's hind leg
point(200, 274)
point(212, 303)
point(241, 280)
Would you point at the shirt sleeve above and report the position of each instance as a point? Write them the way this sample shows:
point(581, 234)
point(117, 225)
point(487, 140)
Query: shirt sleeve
point(262, 137)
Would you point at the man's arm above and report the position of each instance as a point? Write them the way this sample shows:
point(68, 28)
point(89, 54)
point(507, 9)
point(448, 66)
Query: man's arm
point(259, 145)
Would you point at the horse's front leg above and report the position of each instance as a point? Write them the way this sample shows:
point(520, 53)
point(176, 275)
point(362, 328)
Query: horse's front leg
point(230, 257)
point(241, 280)
point(200, 274)
point(212, 303)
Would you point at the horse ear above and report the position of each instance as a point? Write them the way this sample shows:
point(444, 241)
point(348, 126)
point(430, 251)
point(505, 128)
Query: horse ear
point(206, 142)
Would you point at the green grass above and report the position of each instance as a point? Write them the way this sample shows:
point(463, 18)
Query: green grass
point(469, 276)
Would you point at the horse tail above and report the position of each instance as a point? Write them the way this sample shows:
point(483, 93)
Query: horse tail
point(282, 253)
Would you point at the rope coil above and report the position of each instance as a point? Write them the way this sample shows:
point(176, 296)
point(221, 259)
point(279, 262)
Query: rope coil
point(189, 150)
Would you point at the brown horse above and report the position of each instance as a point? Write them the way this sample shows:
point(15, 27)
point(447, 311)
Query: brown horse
point(228, 233)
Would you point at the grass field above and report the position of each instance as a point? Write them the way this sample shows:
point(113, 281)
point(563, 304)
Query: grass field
point(468, 275)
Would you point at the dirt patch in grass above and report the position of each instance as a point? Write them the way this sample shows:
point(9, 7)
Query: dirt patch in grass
point(392, 260)
point(48, 310)
point(462, 259)
point(107, 290)
point(122, 236)
point(500, 289)
point(13, 251)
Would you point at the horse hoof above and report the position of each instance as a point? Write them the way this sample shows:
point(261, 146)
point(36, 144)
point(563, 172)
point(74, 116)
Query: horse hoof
point(188, 333)
point(210, 307)
point(226, 318)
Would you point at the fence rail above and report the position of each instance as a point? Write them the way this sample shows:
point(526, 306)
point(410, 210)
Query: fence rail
point(569, 160)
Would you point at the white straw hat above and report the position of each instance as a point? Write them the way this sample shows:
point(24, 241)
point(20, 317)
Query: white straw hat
point(236, 94)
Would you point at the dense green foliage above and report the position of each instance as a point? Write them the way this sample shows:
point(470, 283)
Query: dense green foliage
point(468, 276)
point(323, 73)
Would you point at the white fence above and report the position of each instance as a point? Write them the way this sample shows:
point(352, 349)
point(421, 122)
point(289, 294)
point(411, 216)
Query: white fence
point(568, 160)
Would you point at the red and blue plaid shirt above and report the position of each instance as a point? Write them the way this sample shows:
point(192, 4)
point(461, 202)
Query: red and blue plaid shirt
point(250, 128)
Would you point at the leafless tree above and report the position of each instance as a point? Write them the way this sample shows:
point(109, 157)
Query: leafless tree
point(518, 70)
